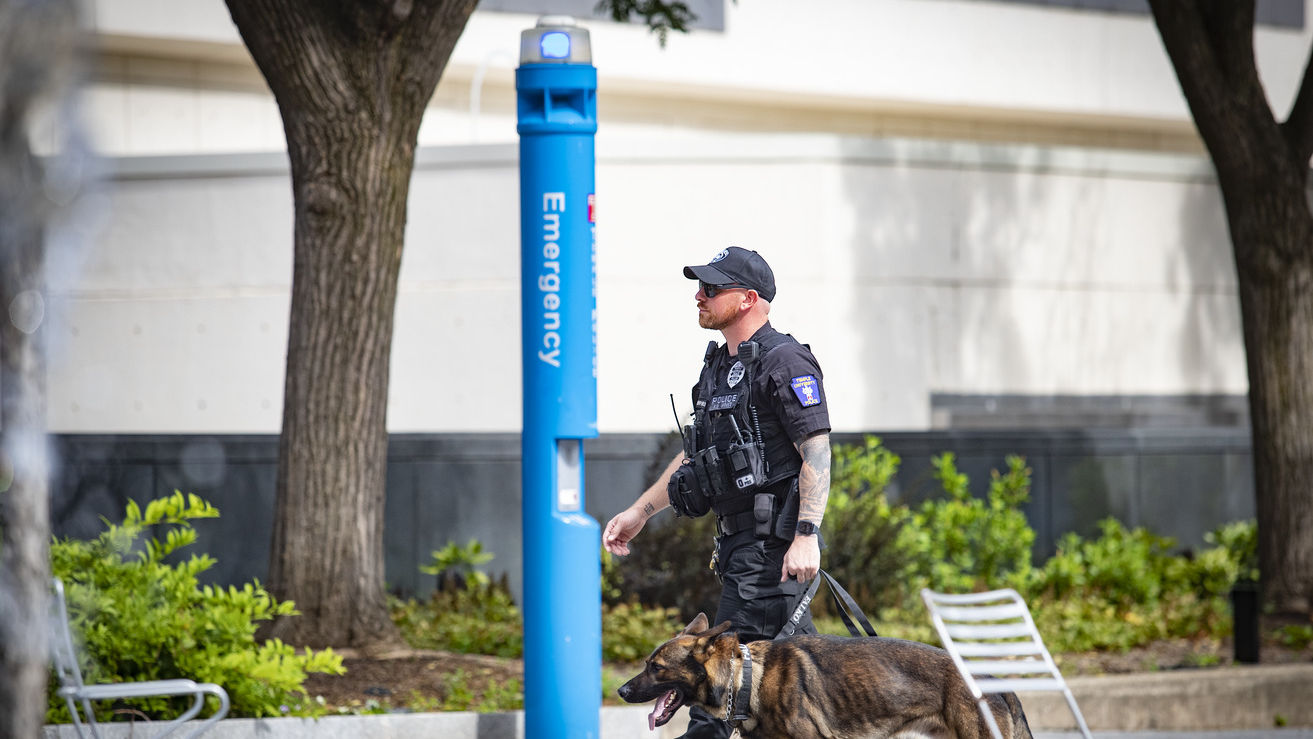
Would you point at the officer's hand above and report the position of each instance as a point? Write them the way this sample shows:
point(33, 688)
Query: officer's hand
point(803, 559)
point(622, 529)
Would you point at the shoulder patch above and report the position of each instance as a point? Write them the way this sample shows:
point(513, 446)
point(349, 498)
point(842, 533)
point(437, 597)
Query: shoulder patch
point(807, 390)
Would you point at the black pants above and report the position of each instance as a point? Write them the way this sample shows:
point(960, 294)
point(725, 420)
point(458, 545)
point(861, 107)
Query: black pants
point(755, 618)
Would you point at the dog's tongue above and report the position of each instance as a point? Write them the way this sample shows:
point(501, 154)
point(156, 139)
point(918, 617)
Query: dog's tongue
point(658, 708)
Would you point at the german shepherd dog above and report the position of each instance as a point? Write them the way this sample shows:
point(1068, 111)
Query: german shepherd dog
point(814, 686)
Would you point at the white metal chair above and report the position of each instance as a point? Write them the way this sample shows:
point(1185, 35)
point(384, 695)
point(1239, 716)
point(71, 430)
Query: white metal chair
point(995, 645)
point(75, 691)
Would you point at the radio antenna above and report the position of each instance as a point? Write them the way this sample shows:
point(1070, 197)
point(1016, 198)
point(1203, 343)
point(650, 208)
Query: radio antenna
point(677, 424)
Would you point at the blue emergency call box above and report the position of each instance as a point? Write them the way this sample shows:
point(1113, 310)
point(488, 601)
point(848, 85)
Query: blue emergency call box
point(556, 115)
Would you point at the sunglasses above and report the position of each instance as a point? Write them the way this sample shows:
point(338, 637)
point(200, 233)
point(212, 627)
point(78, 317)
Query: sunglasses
point(712, 291)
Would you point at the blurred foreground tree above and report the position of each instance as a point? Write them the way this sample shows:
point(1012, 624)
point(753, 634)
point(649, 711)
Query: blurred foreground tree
point(1263, 170)
point(37, 50)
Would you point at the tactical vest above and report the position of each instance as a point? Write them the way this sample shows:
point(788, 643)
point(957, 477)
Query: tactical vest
point(728, 444)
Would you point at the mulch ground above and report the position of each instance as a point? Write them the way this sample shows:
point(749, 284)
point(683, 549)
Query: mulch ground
point(424, 680)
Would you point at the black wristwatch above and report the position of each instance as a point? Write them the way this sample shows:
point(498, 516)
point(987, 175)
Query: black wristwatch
point(806, 528)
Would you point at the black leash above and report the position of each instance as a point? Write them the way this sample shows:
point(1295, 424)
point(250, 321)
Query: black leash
point(843, 603)
point(739, 703)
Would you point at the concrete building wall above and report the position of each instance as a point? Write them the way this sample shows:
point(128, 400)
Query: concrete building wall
point(914, 269)
point(173, 77)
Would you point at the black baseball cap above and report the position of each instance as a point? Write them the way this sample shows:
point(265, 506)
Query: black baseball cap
point(736, 266)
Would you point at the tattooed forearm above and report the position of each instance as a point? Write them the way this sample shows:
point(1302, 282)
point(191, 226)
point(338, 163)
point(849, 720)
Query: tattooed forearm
point(648, 510)
point(814, 480)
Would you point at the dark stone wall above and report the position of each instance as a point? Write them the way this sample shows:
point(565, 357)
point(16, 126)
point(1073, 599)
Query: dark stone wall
point(457, 487)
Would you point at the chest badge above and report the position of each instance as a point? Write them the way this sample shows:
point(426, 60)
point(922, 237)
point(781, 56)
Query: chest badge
point(735, 374)
point(807, 390)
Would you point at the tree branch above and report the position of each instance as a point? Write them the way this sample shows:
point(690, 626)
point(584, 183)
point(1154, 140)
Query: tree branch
point(661, 16)
point(1186, 40)
point(1211, 49)
point(1230, 30)
point(1298, 128)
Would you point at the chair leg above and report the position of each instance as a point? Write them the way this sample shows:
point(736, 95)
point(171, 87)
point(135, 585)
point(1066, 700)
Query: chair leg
point(989, 717)
point(197, 704)
point(1075, 711)
point(91, 718)
point(77, 718)
point(222, 695)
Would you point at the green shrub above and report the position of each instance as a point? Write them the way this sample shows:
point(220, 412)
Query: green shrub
point(479, 618)
point(861, 528)
point(612, 680)
point(1295, 636)
point(484, 620)
point(1127, 588)
point(459, 695)
point(883, 554)
point(1235, 550)
point(507, 695)
point(612, 584)
point(630, 631)
point(136, 617)
point(1122, 567)
point(1118, 590)
point(963, 543)
point(454, 565)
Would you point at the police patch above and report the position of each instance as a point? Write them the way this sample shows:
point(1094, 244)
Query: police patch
point(723, 402)
point(735, 374)
point(807, 390)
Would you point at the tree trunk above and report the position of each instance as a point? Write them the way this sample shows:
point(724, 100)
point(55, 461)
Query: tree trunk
point(36, 53)
point(1278, 324)
point(352, 81)
point(1263, 170)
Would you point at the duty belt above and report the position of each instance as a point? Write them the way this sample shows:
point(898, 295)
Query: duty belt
point(734, 523)
point(737, 514)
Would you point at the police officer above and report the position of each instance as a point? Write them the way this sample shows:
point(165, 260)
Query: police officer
point(757, 456)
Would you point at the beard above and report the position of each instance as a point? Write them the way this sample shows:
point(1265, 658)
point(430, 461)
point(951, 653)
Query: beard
point(717, 320)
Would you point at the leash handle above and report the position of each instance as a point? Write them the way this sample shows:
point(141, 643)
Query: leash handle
point(799, 608)
point(844, 604)
point(849, 607)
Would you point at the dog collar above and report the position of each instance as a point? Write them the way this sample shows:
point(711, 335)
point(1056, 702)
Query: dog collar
point(742, 701)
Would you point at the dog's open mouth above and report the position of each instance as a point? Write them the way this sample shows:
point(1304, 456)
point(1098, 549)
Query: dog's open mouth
point(665, 707)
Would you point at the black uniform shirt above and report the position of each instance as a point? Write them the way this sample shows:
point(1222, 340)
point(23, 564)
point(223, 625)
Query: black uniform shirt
point(787, 390)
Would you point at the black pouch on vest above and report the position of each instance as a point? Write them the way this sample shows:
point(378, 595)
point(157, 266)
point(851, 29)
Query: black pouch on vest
point(685, 493)
point(787, 521)
point(743, 467)
point(763, 514)
point(707, 466)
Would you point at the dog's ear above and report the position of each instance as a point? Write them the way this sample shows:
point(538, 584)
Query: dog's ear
point(720, 629)
point(717, 641)
point(697, 625)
